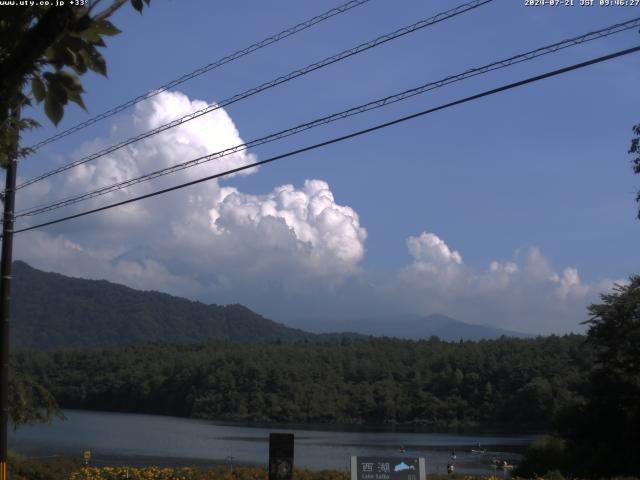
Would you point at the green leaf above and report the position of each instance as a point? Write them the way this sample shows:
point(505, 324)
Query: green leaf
point(73, 42)
point(38, 89)
point(85, 59)
point(105, 27)
point(69, 80)
point(53, 108)
point(76, 98)
point(80, 67)
point(76, 45)
point(65, 80)
point(72, 87)
point(90, 35)
point(98, 64)
point(137, 4)
point(58, 91)
point(52, 55)
point(99, 42)
point(63, 55)
point(93, 33)
point(94, 60)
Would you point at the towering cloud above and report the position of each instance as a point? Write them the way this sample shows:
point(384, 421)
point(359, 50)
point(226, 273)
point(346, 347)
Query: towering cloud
point(221, 239)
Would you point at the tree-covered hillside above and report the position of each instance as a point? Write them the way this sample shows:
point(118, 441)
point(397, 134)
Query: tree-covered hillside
point(515, 382)
point(51, 310)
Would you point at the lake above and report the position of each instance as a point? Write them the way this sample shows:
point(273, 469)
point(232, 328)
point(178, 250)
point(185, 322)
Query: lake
point(133, 439)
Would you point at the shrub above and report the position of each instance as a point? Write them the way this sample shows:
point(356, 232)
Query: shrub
point(546, 455)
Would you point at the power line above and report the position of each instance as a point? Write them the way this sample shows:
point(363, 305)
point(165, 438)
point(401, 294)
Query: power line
point(345, 137)
point(530, 55)
point(282, 79)
point(218, 63)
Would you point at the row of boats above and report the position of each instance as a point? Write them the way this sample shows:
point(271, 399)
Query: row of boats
point(496, 463)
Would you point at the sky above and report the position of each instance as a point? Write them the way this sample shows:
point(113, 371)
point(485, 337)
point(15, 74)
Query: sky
point(515, 210)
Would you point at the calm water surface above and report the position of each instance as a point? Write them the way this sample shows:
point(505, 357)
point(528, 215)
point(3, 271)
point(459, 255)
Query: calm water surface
point(119, 438)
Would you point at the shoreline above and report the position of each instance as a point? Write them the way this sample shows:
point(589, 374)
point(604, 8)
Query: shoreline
point(482, 430)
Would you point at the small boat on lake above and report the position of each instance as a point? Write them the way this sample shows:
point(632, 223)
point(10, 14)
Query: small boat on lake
point(479, 449)
point(501, 465)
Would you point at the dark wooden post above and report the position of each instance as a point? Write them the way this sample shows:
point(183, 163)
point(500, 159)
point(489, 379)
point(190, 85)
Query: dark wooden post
point(5, 293)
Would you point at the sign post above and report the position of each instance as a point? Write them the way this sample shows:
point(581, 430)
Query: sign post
point(388, 468)
point(280, 456)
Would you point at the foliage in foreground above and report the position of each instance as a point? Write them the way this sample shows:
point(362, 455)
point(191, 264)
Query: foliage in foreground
point(599, 436)
point(603, 432)
point(221, 473)
point(545, 454)
point(55, 468)
point(168, 473)
point(64, 468)
point(29, 401)
point(635, 150)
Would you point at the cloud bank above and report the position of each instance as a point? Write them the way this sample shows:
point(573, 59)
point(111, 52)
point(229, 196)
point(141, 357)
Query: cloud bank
point(290, 252)
point(522, 293)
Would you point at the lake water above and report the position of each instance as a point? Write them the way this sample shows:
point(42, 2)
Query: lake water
point(132, 439)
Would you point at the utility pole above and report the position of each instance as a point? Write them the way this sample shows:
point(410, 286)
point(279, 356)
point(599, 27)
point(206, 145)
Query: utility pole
point(5, 291)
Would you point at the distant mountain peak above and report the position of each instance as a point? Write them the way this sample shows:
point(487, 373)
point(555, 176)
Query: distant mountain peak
point(413, 327)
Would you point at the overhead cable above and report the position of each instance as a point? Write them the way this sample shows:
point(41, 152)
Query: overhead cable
point(218, 63)
point(344, 137)
point(252, 91)
point(522, 57)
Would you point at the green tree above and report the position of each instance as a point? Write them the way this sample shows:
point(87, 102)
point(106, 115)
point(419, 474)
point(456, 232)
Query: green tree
point(43, 52)
point(635, 150)
point(614, 330)
point(603, 432)
point(45, 49)
point(29, 401)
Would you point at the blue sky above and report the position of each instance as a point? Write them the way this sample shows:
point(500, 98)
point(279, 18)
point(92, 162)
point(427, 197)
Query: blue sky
point(537, 178)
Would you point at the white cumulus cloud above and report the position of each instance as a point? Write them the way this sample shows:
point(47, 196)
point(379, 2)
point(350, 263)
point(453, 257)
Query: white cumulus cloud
point(430, 251)
point(325, 236)
point(206, 241)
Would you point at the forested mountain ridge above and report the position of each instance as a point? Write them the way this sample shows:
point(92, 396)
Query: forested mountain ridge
point(521, 383)
point(50, 310)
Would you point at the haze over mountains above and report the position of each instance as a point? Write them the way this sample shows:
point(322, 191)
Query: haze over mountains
point(52, 310)
point(411, 327)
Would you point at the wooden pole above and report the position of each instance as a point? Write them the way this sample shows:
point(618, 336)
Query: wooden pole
point(5, 293)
